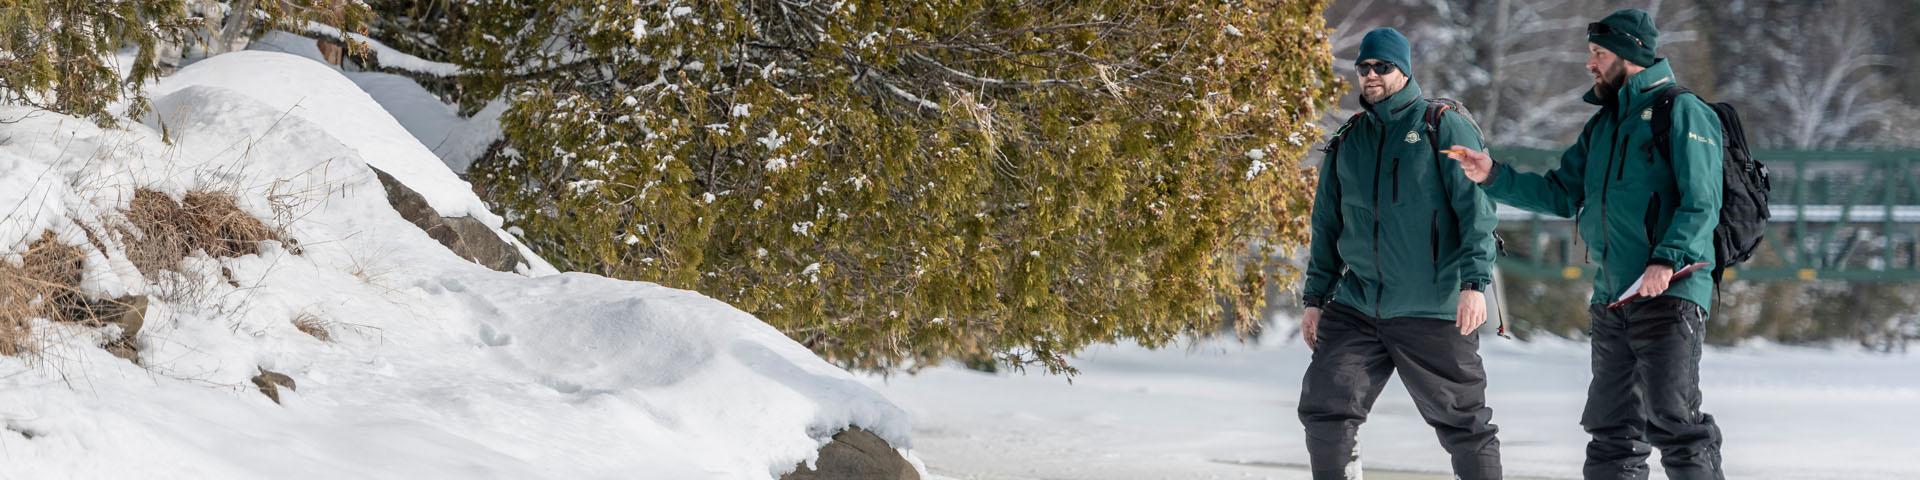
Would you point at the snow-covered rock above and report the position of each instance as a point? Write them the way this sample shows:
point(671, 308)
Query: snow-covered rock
point(465, 236)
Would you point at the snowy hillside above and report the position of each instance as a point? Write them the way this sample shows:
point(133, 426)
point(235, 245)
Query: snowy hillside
point(410, 361)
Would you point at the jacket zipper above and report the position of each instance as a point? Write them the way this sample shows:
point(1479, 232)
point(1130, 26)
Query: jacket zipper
point(1606, 241)
point(1379, 278)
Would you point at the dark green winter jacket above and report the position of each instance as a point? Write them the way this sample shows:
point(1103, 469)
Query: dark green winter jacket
point(1389, 238)
point(1634, 206)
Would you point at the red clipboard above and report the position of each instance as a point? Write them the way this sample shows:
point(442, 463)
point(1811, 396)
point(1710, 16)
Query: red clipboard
point(1633, 291)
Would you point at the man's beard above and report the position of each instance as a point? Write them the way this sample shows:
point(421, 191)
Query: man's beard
point(1386, 92)
point(1370, 98)
point(1614, 77)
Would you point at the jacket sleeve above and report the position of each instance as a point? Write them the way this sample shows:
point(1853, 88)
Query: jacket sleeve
point(1697, 174)
point(1324, 263)
point(1558, 192)
point(1475, 212)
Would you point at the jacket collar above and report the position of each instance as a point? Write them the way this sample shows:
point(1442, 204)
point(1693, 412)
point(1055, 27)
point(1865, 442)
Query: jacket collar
point(1640, 87)
point(1396, 107)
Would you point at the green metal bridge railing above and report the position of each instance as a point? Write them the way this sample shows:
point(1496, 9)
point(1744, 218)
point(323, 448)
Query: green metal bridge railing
point(1842, 215)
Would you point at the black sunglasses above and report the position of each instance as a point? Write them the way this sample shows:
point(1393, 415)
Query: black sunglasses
point(1381, 68)
point(1597, 28)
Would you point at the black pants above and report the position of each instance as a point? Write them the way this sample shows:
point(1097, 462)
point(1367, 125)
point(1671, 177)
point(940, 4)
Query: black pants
point(1441, 368)
point(1646, 387)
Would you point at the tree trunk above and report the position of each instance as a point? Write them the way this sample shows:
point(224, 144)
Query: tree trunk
point(233, 29)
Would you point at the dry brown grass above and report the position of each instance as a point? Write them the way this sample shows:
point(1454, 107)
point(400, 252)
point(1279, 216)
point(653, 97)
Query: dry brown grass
point(313, 325)
point(165, 232)
point(44, 285)
point(157, 233)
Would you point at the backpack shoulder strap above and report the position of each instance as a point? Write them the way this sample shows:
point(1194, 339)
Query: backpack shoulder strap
point(1436, 112)
point(1333, 144)
point(1663, 118)
point(1435, 109)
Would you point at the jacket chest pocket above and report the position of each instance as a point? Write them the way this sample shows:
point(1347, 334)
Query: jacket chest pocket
point(1652, 219)
point(1394, 174)
point(1408, 180)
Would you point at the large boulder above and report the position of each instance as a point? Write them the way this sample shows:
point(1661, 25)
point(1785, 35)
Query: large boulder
point(466, 236)
point(857, 454)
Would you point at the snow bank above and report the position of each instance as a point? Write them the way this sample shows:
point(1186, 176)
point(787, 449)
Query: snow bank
point(297, 87)
point(457, 140)
point(437, 368)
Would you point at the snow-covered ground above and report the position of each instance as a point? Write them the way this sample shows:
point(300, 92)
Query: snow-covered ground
point(1221, 409)
point(436, 368)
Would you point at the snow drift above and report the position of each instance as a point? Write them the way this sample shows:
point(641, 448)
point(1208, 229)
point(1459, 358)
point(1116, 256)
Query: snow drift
point(436, 367)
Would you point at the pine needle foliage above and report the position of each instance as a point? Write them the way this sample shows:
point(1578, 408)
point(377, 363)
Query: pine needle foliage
point(68, 56)
point(898, 183)
point(60, 54)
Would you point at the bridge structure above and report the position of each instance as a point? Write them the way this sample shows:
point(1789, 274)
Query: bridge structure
point(1840, 215)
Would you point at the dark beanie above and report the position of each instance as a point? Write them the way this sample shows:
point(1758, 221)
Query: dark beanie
point(1628, 25)
point(1386, 45)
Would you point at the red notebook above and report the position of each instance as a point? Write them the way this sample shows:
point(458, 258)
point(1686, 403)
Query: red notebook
point(1633, 291)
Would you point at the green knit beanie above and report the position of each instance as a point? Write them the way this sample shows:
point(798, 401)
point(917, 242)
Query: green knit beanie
point(1386, 45)
point(1628, 33)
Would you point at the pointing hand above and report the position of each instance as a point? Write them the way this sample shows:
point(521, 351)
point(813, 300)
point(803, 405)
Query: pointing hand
point(1477, 165)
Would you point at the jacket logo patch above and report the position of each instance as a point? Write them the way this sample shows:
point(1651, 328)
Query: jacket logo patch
point(1413, 137)
point(1646, 115)
point(1697, 138)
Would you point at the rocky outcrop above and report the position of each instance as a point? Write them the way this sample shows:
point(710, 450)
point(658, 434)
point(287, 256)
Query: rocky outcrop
point(465, 236)
point(857, 454)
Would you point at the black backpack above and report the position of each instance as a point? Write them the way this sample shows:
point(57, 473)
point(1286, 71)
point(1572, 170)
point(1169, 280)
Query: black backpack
point(1743, 194)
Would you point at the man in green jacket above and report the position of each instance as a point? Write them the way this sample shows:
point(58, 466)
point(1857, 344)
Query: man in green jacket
point(1642, 215)
point(1402, 249)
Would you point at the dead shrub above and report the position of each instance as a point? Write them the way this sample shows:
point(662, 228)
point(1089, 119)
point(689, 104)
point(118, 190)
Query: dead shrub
point(167, 231)
point(46, 284)
point(224, 230)
point(157, 233)
point(313, 325)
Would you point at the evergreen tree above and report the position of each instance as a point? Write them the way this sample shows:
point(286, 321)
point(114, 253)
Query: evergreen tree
point(61, 55)
point(222, 31)
point(897, 183)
